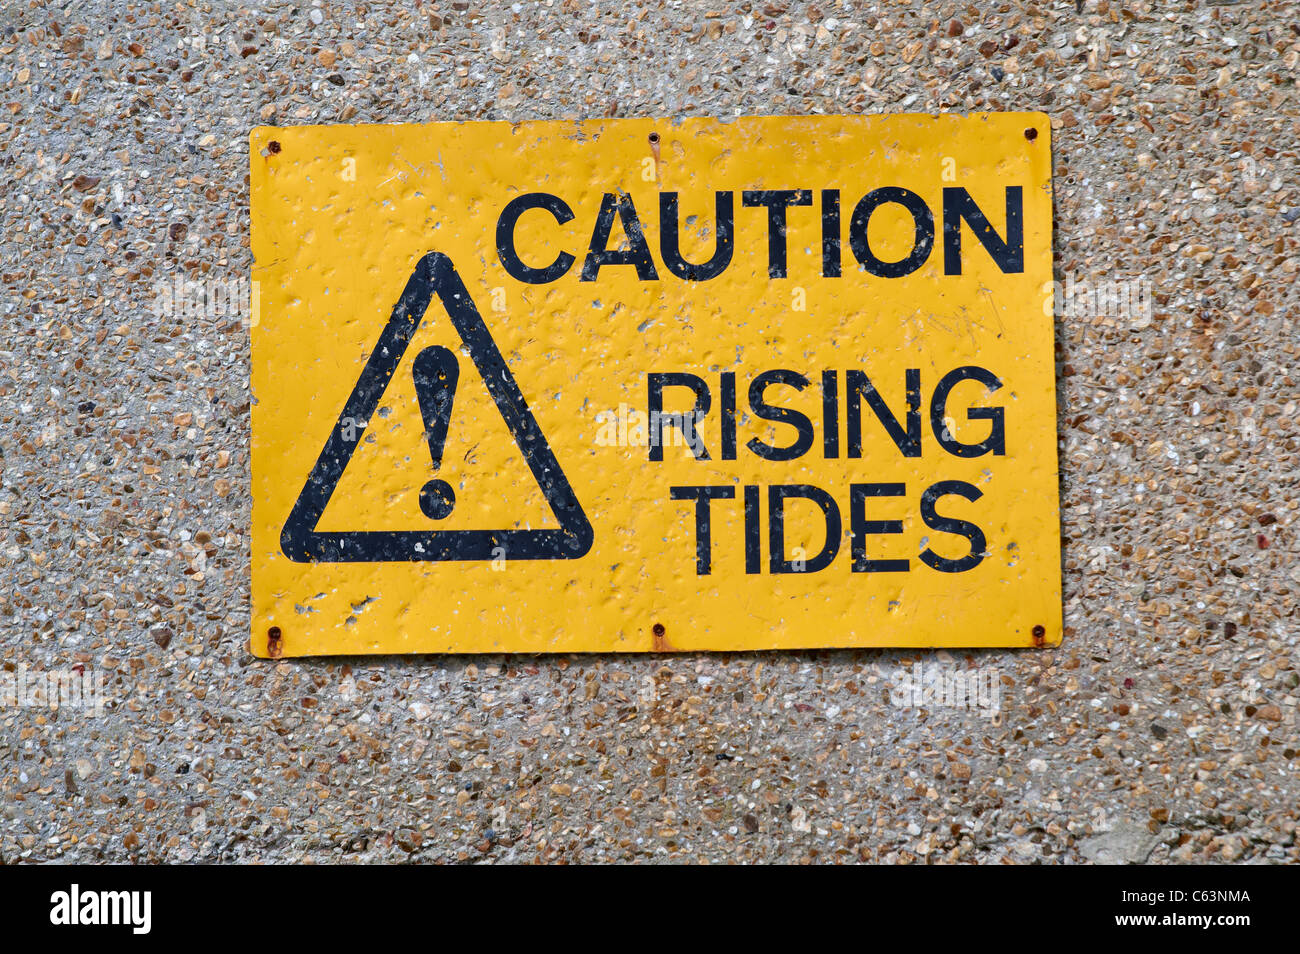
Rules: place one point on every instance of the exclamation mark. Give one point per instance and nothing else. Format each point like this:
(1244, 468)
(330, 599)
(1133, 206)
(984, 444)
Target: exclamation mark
(436, 372)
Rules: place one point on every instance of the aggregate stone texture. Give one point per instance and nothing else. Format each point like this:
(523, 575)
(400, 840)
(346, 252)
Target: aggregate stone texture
(1163, 729)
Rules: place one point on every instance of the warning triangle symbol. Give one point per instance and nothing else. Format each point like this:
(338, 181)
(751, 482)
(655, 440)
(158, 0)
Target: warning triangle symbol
(435, 275)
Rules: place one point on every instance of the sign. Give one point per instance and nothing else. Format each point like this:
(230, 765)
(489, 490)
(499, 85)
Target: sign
(654, 385)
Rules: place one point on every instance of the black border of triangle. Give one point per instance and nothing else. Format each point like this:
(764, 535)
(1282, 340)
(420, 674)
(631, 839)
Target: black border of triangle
(302, 542)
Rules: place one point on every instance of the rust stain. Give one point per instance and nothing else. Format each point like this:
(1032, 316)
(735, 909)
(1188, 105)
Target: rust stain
(274, 642)
(661, 644)
(654, 151)
(1039, 637)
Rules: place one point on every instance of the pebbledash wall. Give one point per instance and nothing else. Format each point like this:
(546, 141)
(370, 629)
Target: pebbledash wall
(1163, 728)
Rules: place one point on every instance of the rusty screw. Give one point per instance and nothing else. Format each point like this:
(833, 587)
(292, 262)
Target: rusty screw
(274, 642)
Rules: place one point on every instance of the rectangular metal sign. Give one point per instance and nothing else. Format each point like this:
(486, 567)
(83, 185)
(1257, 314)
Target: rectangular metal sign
(654, 385)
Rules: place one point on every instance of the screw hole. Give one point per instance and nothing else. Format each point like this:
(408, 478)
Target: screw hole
(654, 138)
(659, 630)
(1031, 133)
(273, 146)
(274, 642)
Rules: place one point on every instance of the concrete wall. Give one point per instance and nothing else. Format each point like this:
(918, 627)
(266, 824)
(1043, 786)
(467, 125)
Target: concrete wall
(1164, 727)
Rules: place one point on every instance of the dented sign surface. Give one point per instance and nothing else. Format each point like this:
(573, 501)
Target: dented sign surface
(642, 385)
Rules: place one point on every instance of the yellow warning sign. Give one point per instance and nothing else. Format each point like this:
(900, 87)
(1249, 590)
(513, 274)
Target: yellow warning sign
(654, 385)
